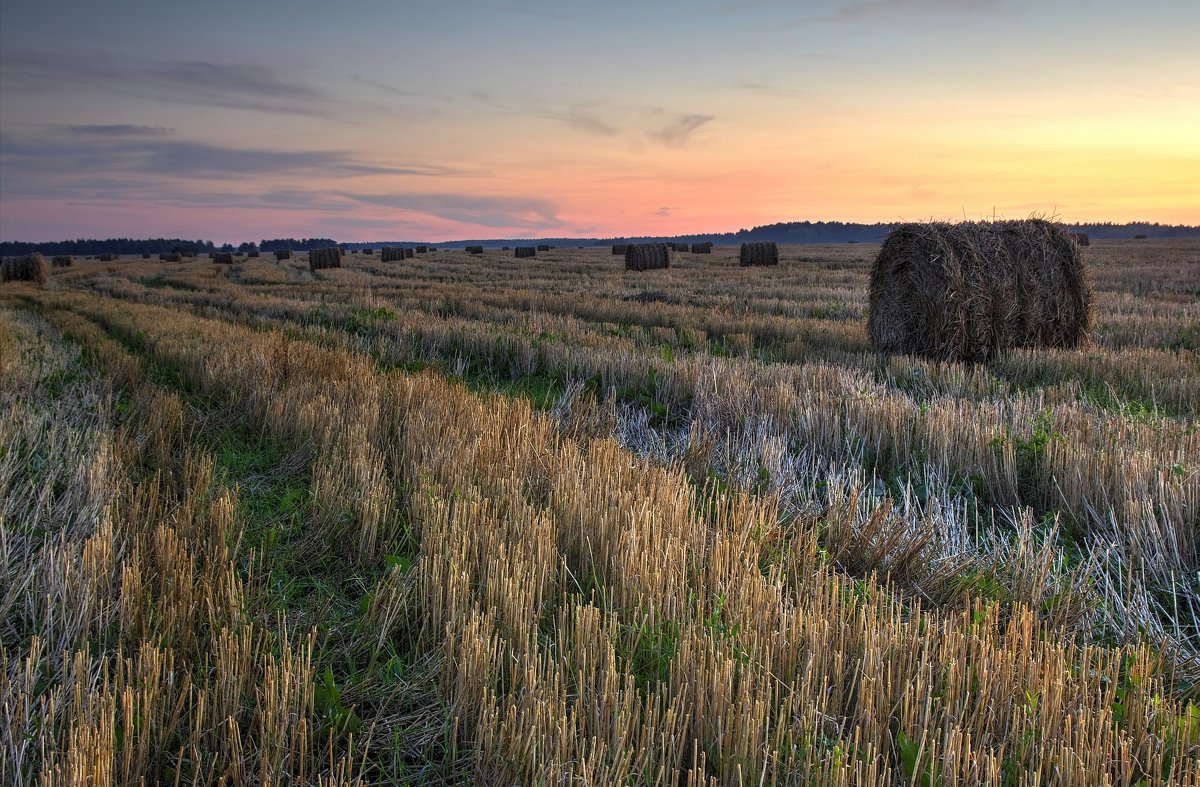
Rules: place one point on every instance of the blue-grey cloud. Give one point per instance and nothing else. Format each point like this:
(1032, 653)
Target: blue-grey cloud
(868, 8)
(586, 121)
(108, 131)
(677, 133)
(231, 85)
(486, 211)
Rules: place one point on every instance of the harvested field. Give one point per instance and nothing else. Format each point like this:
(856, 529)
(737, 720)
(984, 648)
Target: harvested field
(453, 520)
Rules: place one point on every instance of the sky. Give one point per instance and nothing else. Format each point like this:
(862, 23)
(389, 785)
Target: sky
(391, 120)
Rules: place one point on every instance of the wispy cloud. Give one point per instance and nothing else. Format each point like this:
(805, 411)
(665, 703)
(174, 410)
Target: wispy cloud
(230, 85)
(868, 8)
(677, 133)
(480, 210)
(109, 131)
(586, 121)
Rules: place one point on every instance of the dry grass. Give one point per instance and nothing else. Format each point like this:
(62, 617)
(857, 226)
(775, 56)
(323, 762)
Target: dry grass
(730, 548)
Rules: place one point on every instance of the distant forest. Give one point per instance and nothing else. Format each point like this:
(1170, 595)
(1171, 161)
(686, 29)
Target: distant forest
(786, 232)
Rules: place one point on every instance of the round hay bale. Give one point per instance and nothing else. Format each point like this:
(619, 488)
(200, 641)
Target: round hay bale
(422, 249)
(525, 251)
(283, 254)
(474, 249)
(30, 267)
(106, 257)
(319, 259)
(702, 248)
(620, 249)
(1140, 237)
(252, 254)
(970, 291)
(390, 254)
(1082, 239)
(61, 261)
(173, 256)
(647, 256)
(222, 257)
(543, 247)
(758, 254)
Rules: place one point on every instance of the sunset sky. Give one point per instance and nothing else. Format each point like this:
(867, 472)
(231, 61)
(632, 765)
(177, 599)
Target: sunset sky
(375, 120)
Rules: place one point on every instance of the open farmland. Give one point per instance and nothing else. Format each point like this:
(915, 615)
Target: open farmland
(465, 518)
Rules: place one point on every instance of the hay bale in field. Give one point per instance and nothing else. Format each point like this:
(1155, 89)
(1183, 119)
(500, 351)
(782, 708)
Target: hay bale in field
(759, 254)
(107, 257)
(188, 255)
(702, 248)
(252, 254)
(391, 254)
(283, 254)
(543, 247)
(1140, 237)
(31, 267)
(620, 249)
(525, 251)
(145, 256)
(647, 256)
(61, 261)
(1082, 239)
(504, 248)
(970, 291)
(370, 252)
(222, 257)
(474, 249)
(422, 249)
(319, 259)
(172, 256)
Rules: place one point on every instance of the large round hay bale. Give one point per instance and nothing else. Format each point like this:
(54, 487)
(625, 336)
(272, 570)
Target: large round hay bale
(30, 267)
(391, 254)
(647, 256)
(1140, 236)
(422, 249)
(543, 247)
(620, 249)
(223, 257)
(283, 254)
(319, 259)
(525, 251)
(1082, 239)
(474, 250)
(107, 257)
(172, 256)
(61, 261)
(970, 291)
(702, 248)
(759, 254)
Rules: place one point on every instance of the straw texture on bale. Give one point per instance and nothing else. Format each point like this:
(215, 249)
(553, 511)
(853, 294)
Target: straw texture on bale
(283, 254)
(1082, 239)
(647, 256)
(702, 248)
(62, 261)
(391, 254)
(223, 257)
(31, 267)
(759, 254)
(474, 250)
(970, 291)
(172, 256)
(525, 251)
(319, 259)
(620, 248)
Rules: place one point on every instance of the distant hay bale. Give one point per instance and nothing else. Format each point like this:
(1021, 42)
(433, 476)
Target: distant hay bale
(422, 249)
(702, 248)
(107, 257)
(474, 250)
(973, 290)
(758, 254)
(252, 254)
(319, 259)
(145, 256)
(408, 253)
(647, 256)
(504, 248)
(223, 257)
(1139, 237)
(1082, 239)
(238, 254)
(620, 249)
(31, 267)
(283, 254)
(172, 256)
(543, 247)
(525, 251)
(391, 254)
(370, 252)
(62, 261)
(189, 255)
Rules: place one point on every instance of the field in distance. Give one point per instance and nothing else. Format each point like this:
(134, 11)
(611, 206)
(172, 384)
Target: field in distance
(468, 518)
